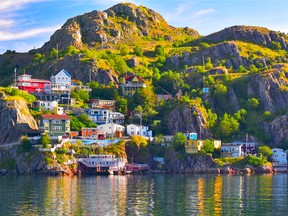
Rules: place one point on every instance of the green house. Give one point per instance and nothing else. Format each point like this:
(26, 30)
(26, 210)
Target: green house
(54, 125)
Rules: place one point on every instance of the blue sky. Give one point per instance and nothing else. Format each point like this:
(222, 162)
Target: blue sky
(28, 24)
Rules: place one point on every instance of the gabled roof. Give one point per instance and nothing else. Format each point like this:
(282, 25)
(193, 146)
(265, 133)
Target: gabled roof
(63, 72)
(131, 77)
(53, 116)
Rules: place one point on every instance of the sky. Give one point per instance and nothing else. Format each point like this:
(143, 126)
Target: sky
(28, 24)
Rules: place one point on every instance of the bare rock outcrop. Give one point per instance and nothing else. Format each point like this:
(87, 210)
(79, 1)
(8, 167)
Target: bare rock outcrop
(278, 129)
(190, 164)
(23, 162)
(15, 119)
(269, 88)
(226, 50)
(183, 119)
(252, 34)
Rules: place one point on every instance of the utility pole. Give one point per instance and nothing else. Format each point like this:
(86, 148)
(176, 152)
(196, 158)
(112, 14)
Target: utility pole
(57, 51)
(15, 70)
(203, 60)
(200, 127)
(140, 122)
(90, 75)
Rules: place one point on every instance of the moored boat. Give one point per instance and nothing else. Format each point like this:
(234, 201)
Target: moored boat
(102, 164)
(136, 167)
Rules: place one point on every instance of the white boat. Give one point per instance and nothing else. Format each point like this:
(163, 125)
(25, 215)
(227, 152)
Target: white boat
(103, 163)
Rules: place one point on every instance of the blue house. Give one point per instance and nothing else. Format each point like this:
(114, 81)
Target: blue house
(104, 116)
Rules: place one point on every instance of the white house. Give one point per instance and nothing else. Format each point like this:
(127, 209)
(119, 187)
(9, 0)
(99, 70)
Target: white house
(50, 106)
(231, 150)
(133, 129)
(112, 129)
(279, 159)
(246, 147)
(60, 83)
(103, 116)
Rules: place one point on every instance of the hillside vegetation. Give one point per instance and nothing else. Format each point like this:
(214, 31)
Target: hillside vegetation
(244, 67)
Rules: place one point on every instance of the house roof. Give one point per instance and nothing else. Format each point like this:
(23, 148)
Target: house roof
(131, 77)
(65, 72)
(40, 80)
(53, 116)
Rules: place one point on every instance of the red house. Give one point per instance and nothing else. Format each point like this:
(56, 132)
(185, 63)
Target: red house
(26, 83)
(92, 133)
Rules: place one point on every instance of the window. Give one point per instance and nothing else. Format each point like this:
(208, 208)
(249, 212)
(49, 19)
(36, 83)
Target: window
(57, 128)
(46, 128)
(56, 121)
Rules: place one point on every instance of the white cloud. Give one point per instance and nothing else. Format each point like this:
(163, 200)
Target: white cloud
(8, 5)
(8, 36)
(5, 23)
(204, 12)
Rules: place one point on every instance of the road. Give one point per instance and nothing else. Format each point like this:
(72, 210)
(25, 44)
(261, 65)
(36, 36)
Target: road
(9, 145)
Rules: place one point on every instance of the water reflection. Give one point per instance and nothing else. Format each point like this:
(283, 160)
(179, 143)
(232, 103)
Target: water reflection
(144, 195)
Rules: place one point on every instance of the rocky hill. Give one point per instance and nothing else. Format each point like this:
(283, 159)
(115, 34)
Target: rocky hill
(244, 67)
(256, 35)
(15, 119)
(122, 22)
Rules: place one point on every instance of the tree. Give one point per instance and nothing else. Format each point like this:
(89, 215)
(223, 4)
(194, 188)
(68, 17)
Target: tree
(139, 141)
(203, 45)
(75, 124)
(121, 104)
(252, 103)
(25, 145)
(211, 118)
(81, 95)
(45, 140)
(253, 68)
(265, 151)
(171, 81)
(242, 69)
(53, 53)
(220, 89)
(228, 125)
(84, 119)
(138, 50)
(123, 50)
(208, 65)
(159, 50)
(208, 146)
(275, 45)
(179, 140)
(209, 80)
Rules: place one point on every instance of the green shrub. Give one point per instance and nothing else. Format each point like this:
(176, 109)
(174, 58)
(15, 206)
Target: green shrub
(25, 145)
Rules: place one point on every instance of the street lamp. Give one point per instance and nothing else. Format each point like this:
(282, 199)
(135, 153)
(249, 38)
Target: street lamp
(15, 70)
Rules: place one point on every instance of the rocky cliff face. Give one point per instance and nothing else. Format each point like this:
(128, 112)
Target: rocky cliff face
(278, 129)
(190, 164)
(183, 119)
(15, 119)
(78, 69)
(256, 35)
(270, 88)
(228, 51)
(23, 163)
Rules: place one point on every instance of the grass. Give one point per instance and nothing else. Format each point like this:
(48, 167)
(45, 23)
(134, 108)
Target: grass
(248, 49)
(223, 161)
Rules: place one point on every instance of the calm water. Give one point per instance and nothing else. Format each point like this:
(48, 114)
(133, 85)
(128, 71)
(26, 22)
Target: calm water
(144, 195)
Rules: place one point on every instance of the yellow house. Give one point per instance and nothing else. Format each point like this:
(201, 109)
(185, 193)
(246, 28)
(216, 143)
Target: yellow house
(131, 84)
(193, 146)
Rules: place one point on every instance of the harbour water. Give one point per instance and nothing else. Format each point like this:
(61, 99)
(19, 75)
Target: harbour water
(145, 195)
